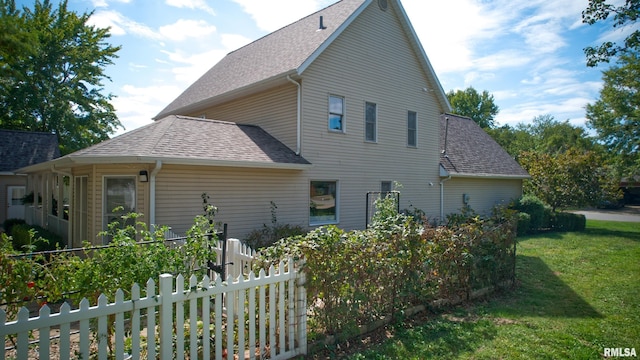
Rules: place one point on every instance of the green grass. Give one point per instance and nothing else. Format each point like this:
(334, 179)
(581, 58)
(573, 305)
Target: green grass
(577, 293)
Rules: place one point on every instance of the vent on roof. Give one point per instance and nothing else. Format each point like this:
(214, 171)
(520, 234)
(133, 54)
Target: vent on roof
(322, 27)
(383, 5)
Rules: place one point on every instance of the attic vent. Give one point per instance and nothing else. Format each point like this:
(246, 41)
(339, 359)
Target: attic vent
(383, 5)
(322, 27)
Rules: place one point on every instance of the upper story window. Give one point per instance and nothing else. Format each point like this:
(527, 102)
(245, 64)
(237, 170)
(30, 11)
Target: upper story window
(412, 129)
(336, 113)
(371, 122)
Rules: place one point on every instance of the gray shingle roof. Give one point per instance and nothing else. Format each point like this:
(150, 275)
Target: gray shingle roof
(470, 151)
(193, 140)
(278, 53)
(23, 148)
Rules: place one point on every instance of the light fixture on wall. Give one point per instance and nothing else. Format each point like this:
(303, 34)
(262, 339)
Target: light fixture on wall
(144, 176)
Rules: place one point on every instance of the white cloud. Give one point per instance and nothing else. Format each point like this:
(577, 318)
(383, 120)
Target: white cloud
(185, 28)
(121, 25)
(234, 41)
(194, 65)
(191, 4)
(105, 3)
(137, 105)
(270, 15)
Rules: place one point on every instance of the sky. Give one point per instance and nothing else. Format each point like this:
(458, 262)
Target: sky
(527, 53)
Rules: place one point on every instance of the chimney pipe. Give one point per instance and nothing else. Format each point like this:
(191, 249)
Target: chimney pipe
(322, 27)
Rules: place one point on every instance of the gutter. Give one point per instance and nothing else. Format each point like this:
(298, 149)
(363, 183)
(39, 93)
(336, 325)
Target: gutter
(442, 197)
(298, 115)
(152, 194)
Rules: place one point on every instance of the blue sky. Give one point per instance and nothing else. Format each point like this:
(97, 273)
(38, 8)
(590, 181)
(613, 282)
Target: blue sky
(527, 53)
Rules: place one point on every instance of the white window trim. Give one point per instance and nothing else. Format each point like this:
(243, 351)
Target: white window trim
(332, 222)
(344, 114)
(416, 129)
(375, 140)
(104, 196)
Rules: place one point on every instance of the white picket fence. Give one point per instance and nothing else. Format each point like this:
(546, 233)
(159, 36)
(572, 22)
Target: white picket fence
(253, 317)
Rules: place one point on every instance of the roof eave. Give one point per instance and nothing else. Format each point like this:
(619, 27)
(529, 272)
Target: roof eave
(70, 162)
(486, 176)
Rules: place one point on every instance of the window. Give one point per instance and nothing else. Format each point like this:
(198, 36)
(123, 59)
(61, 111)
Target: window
(412, 129)
(386, 187)
(119, 199)
(370, 121)
(336, 113)
(323, 202)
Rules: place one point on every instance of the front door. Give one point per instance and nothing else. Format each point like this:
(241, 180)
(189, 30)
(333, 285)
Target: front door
(15, 207)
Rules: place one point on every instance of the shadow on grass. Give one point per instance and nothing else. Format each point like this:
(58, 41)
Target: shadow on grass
(540, 292)
(629, 235)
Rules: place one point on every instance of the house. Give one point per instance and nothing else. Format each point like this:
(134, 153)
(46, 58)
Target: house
(312, 117)
(475, 170)
(17, 150)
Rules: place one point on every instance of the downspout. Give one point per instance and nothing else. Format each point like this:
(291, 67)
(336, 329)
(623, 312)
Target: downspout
(152, 194)
(442, 197)
(298, 115)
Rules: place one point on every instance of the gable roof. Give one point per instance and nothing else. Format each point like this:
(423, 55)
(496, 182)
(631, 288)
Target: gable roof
(23, 148)
(288, 51)
(189, 141)
(468, 151)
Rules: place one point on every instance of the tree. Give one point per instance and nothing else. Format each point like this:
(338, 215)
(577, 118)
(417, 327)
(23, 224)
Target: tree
(615, 116)
(52, 67)
(479, 107)
(544, 134)
(570, 179)
(623, 15)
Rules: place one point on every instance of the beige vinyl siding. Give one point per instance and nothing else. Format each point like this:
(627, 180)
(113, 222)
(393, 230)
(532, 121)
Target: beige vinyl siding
(274, 110)
(483, 194)
(382, 69)
(95, 193)
(242, 196)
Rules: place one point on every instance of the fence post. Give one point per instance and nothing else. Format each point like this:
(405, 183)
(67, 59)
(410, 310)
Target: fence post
(166, 317)
(302, 306)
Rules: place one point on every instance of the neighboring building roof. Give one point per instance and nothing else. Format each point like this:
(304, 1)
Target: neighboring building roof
(468, 151)
(190, 141)
(23, 148)
(286, 52)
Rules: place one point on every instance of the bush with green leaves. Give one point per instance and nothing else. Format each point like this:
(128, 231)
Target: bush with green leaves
(537, 210)
(360, 276)
(268, 235)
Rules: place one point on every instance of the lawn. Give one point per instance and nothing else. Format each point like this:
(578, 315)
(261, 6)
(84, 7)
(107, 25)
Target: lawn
(577, 294)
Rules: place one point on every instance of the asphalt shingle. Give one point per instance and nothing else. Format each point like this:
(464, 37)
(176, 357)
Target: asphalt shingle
(183, 137)
(471, 151)
(277, 53)
(23, 148)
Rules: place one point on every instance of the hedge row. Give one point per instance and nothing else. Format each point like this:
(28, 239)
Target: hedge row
(535, 216)
(358, 277)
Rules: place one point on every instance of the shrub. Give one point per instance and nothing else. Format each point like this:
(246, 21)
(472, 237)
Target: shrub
(9, 223)
(536, 209)
(361, 276)
(28, 238)
(268, 235)
(524, 223)
(564, 221)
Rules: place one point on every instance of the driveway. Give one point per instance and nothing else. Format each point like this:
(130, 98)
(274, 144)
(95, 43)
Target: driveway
(629, 213)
